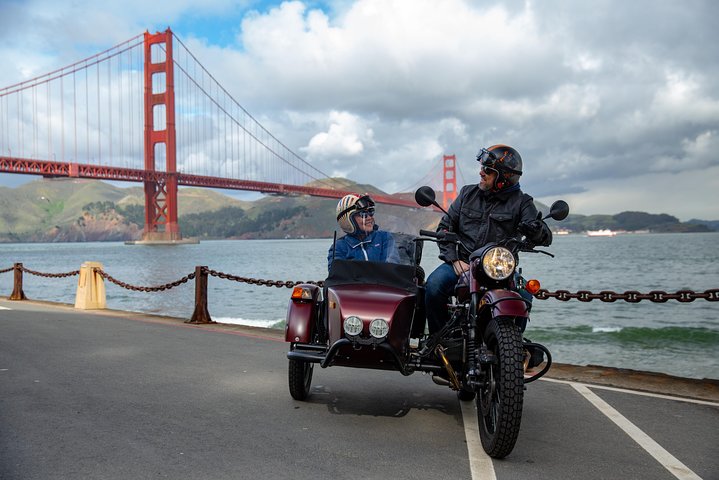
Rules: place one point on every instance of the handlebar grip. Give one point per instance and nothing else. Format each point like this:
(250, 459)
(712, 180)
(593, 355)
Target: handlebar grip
(428, 233)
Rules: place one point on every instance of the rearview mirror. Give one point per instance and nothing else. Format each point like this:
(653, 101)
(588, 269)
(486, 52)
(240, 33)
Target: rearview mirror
(559, 210)
(425, 196)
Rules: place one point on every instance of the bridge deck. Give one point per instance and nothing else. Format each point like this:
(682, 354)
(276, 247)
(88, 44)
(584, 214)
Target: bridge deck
(123, 395)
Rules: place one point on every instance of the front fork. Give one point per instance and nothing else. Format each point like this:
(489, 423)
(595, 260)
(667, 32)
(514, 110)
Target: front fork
(476, 357)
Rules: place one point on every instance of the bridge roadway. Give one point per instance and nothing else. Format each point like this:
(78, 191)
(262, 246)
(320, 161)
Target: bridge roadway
(116, 395)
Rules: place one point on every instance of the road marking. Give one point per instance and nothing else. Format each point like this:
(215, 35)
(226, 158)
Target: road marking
(666, 459)
(636, 392)
(480, 464)
(4, 308)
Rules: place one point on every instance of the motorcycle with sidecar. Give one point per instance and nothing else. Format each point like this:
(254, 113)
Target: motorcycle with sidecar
(372, 315)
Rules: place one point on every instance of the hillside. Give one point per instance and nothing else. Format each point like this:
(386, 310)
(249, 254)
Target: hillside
(56, 210)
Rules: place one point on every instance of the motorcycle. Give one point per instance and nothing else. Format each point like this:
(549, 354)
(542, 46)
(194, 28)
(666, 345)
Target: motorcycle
(371, 315)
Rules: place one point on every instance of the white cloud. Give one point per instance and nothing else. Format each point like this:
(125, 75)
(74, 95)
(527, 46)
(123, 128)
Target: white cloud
(346, 136)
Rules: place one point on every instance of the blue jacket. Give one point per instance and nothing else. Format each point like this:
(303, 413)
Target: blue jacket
(378, 246)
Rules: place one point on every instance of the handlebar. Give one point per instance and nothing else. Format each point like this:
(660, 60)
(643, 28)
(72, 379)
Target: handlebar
(522, 245)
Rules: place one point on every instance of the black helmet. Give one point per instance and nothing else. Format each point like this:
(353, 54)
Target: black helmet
(506, 161)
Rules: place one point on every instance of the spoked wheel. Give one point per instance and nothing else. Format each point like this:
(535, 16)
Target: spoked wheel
(300, 378)
(500, 398)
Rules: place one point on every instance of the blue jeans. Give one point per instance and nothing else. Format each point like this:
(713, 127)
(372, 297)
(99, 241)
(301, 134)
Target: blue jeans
(438, 288)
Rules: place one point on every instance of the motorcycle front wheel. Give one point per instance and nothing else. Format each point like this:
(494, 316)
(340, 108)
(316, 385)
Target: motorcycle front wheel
(300, 378)
(500, 397)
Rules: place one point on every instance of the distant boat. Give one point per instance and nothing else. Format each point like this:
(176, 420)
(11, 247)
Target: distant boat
(601, 233)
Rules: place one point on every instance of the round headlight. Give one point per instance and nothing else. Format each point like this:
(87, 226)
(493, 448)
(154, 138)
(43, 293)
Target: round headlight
(378, 328)
(498, 263)
(353, 326)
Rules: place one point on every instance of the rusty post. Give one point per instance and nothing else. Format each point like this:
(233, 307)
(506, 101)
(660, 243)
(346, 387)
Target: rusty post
(17, 293)
(201, 314)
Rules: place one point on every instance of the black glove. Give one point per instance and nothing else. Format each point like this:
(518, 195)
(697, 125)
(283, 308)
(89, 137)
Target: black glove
(530, 229)
(535, 230)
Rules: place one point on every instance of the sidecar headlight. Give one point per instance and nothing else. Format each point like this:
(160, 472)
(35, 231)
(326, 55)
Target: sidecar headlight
(498, 263)
(353, 326)
(378, 328)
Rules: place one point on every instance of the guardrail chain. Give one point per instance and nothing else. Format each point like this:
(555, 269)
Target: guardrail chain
(202, 315)
(259, 281)
(631, 296)
(157, 288)
(50, 275)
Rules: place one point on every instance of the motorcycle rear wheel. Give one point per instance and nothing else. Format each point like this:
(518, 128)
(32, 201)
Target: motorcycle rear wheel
(300, 378)
(500, 398)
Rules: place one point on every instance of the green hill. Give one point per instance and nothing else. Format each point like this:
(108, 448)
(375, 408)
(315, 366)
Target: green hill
(50, 210)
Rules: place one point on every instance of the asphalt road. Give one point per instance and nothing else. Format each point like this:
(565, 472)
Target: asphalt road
(129, 396)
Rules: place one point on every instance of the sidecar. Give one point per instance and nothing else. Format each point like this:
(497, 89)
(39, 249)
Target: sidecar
(364, 316)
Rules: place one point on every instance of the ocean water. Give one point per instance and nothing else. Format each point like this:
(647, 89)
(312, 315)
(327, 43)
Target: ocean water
(676, 338)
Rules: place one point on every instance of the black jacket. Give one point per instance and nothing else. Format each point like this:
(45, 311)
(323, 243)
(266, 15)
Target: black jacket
(481, 217)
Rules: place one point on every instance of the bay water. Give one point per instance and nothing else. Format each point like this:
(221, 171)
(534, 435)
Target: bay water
(675, 338)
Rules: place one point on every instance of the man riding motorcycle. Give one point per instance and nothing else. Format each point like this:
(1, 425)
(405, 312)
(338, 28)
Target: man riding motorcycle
(493, 210)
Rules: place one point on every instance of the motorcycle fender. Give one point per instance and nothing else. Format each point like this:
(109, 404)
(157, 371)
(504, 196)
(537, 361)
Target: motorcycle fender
(300, 317)
(505, 303)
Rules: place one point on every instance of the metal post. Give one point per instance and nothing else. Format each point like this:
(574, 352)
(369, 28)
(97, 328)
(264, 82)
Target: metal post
(17, 293)
(201, 314)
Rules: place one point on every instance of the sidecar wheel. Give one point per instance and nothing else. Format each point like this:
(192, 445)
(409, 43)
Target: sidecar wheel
(501, 396)
(300, 378)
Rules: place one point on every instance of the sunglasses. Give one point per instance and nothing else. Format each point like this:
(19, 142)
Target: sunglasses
(366, 213)
(488, 170)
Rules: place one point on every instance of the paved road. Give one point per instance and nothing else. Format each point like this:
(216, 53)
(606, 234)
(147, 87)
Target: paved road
(126, 396)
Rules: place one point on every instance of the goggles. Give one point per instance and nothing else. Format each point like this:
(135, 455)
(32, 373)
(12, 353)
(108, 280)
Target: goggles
(487, 158)
(489, 161)
(363, 204)
(366, 213)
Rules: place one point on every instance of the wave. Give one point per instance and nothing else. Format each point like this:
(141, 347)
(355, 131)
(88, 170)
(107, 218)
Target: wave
(663, 337)
(276, 324)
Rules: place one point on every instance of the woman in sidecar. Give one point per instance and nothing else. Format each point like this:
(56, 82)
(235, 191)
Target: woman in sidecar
(363, 316)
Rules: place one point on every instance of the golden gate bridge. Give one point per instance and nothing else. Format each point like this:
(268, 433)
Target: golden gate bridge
(146, 110)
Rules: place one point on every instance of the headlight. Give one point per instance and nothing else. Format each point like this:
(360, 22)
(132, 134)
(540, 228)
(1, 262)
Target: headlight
(378, 328)
(353, 326)
(498, 263)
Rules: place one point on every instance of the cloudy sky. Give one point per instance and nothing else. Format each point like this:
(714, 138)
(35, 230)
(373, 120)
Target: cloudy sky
(614, 105)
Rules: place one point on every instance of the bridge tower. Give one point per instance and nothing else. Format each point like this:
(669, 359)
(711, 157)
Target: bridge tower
(160, 140)
(449, 180)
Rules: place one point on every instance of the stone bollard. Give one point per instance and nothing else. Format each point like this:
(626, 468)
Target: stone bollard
(17, 293)
(90, 288)
(201, 314)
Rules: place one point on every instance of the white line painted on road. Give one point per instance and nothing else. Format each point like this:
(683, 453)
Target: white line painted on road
(666, 459)
(636, 392)
(4, 308)
(480, 464)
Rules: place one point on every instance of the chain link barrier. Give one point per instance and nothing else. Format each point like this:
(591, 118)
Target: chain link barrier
(50, 275)
(157, 288)
(259, 281)
(630, 296)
